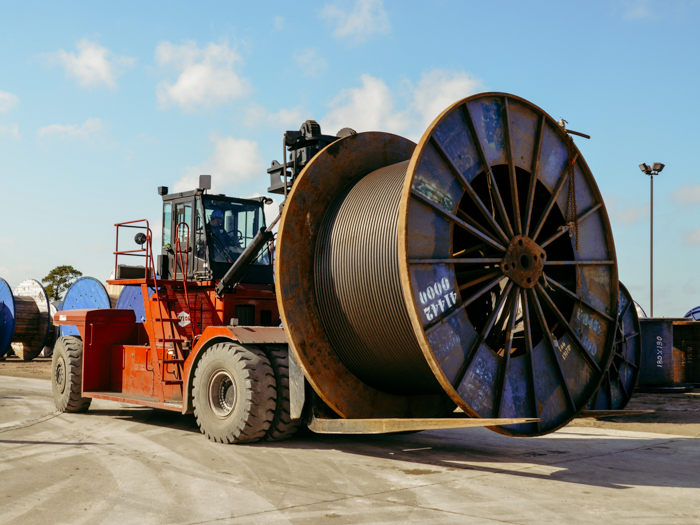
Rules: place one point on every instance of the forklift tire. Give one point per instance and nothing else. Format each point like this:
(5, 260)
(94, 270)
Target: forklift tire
(234, 394)
(67, 375)
(283, 426)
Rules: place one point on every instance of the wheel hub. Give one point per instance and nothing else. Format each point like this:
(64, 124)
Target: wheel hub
(222, 394)
(60, 374)
(524, 261)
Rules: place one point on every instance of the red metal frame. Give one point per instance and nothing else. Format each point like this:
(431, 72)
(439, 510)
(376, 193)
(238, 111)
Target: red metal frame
(129, 362)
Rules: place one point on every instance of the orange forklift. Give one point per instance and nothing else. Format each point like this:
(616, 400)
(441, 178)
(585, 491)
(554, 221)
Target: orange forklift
(209, 339)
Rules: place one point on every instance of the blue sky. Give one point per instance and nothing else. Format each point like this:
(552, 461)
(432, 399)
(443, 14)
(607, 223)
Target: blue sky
(102, 103)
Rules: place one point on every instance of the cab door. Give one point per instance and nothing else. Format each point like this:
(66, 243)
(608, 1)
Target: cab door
(183, 229)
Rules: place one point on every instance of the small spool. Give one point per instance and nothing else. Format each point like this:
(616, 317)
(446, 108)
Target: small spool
(7, 317)
(86, 293)
(32, 322)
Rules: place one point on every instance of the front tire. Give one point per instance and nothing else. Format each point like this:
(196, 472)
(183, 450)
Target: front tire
(234, 394)
(67, 375)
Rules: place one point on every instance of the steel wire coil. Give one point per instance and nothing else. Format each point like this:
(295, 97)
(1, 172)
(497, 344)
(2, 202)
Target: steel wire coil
(358, 286)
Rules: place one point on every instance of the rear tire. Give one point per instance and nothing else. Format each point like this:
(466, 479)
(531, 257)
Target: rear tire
(233, 393)
(283, 426)
(67, 375)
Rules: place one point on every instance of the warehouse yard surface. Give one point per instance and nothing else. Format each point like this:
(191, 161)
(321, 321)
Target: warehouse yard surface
(122, 464)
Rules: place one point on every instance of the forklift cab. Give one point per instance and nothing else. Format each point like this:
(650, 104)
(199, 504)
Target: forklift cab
(213, 230)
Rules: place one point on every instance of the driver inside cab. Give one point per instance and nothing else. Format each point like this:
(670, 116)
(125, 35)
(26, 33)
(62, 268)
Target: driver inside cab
(216, 222)
(226, 244)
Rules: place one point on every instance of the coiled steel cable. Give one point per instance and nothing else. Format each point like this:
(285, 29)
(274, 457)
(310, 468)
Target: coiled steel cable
(358, 286)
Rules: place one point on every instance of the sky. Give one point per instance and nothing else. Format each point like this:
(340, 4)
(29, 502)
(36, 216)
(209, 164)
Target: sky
(101, 103)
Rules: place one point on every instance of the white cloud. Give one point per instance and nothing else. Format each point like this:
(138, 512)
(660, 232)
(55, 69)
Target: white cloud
(233, 161)
(257, 115)
(440, 88)
(372, 107)
(636, 9)
(620, 210)
(278, 23)
(8, 101)
(89, 128)
(206, 76)
(93, 65)
(364, 19)
(366, 108)
(11, 130)
(310, 63)
(693, 238)
(688, 194)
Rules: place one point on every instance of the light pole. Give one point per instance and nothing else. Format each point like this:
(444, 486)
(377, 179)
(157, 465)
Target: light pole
(655, 169)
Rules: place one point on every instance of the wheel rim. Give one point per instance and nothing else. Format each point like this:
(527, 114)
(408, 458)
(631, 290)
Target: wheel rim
(506, 334)
(60, 375)
(222, 394)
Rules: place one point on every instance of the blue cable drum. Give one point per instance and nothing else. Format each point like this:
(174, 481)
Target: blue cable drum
(87, 293)
(7, 316)
(131, 298)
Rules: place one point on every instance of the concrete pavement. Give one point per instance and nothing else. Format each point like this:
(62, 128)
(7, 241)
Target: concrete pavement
(120, 464)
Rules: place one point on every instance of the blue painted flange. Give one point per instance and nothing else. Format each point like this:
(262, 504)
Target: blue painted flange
(131, 298)
(7, 316)
(87, 293)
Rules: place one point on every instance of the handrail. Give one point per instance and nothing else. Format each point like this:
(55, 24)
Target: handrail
(146, 252)
(184, 268)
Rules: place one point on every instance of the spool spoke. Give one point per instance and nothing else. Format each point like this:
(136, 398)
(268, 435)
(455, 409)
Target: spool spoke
(610, 395)
(482, 336)
(459, 222)
(484, 289)
(565, 229)
(546, 333)
(458, 260)
(479, 246)
(533, 177)
(572, 333)
(487, 168)
(528, 349)
(622, 386)
(476, 280)
(471, 222)
(555, 195)
(469, 188)
(517, 222)
(576, 296)
(578, 263)
(504, 312)
(506, 351)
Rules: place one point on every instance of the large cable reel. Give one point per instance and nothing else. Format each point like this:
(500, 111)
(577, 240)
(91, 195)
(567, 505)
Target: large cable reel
(416, 277)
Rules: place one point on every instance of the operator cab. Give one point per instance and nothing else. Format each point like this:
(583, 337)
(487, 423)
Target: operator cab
(212, 230)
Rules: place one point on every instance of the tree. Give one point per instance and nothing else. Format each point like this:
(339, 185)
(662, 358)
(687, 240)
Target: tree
(59, 280)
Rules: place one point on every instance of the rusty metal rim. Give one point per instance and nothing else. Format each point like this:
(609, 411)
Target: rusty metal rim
(312, 194)
(406, 280)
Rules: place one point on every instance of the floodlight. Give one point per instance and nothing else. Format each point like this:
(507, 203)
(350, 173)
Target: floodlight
(658, 167)
(646, 169)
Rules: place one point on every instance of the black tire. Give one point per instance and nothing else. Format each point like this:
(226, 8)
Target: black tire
(67, 374)
(283, 426)
(233, 393)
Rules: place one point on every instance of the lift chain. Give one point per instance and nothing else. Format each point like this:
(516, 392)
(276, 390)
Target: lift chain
(571, 208)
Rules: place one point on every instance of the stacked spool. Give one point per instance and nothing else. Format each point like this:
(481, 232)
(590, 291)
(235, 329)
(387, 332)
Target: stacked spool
(26, 325)
(667, 354)
(26, 315)
(621, 377)
(86, 293)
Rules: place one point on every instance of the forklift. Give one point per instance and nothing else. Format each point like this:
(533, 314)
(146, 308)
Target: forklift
(209, 341)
